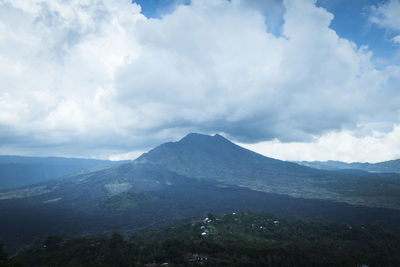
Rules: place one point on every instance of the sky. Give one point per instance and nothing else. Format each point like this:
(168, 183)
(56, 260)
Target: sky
(291, 79)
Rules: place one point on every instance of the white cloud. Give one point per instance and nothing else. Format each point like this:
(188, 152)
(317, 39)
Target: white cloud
(126, 156)
(343, 146)
(97, 78)
(386, 15)
(396, 39)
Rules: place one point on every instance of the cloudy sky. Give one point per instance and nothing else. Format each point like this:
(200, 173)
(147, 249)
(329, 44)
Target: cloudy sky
(291, 79)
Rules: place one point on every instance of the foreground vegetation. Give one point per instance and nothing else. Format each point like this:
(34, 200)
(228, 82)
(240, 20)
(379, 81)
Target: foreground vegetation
(244, 239)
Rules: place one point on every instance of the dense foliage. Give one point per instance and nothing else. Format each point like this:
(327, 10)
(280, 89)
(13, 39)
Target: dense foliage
(5, 261)
(244, 239)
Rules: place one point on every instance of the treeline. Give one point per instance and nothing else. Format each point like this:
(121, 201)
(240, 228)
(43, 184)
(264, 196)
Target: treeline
(244, 239)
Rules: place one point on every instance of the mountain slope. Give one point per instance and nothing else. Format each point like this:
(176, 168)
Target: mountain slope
(135, 195)
(17, 171)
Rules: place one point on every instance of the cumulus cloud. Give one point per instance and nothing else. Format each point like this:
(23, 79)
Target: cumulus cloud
(97, 78)
(345, 146)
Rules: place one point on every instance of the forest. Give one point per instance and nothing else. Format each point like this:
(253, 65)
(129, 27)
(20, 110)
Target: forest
(235, 239)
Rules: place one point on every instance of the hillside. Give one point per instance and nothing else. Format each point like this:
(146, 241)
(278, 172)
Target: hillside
(238, 239)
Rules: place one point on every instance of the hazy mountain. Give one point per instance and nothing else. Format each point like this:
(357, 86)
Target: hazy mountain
(385, 166)
(17, 171)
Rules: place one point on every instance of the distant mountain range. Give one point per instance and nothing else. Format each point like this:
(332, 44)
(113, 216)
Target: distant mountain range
(191, 177)
(385, 166)
(17, 171)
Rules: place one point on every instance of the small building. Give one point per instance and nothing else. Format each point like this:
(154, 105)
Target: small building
(196, 258)
(201, 258)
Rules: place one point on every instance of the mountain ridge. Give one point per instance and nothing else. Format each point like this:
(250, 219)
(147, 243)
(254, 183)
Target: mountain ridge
(384, 166)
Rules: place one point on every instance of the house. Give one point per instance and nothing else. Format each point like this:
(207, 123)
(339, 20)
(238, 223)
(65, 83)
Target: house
(201, 258)
(207, 220)
(196, 258)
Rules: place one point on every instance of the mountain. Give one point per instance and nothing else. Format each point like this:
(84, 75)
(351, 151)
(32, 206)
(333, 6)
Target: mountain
(191, 177)
(385, 166)
(216, 158)
(17, 171)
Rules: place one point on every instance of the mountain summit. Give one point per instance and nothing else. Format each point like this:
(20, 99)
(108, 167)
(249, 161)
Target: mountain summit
(217, 158)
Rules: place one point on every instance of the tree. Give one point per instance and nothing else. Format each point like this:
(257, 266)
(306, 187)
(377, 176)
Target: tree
(4, 261)
(116, 240)
(211, 217)
(53, 242)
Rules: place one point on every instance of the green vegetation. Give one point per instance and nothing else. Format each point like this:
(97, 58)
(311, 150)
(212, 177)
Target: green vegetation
(125, 201)
(3, 256)
(5, 261)
(244, 239)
